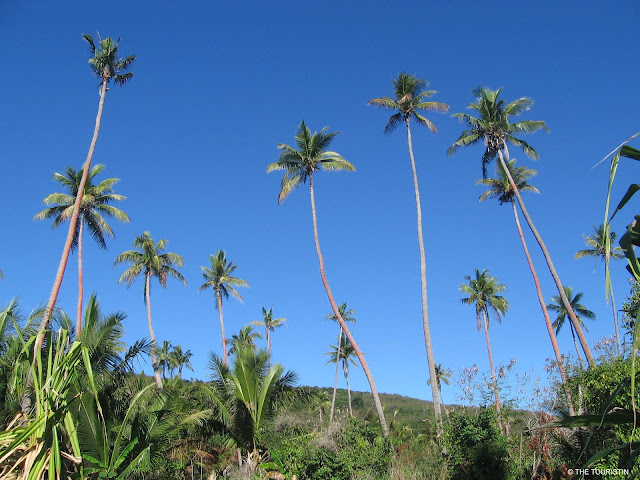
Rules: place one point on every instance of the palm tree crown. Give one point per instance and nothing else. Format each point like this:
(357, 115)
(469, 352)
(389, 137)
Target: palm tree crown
(105, 62)
(309, 156)
(94, 207)
(410, 97)
(493, 125)
(151, 260)
(581, 311)
(245, 339)
(219, 276)
(500, 188)
(483, 292)
(597, 245)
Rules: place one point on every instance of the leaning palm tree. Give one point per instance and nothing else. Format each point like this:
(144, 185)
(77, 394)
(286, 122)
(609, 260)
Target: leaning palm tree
(600, 247)
(270, 324)
(411, 96)
(493, 127)
(107, 65)
(300, 163)
(219, 278)
(343, 352)
(500, 189)
(483, 292)
(347, 316)
(94, 207)
(150, 261)
(557, 306)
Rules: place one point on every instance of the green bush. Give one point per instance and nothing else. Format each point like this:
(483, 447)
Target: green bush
(476, 449)
(355, 450)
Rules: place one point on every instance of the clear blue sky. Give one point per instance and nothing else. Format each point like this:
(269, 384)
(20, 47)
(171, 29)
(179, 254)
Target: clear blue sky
(219, 84)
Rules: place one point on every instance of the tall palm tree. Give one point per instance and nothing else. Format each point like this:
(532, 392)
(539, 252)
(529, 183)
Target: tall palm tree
(270, 324)
(181, 359)
(94, 207)
(245, 339)
(483, 292)
(557, 306)
(493, 127)
(343, 352)
(108, 66)
(443, 375)
(150, 261)
(299, 164)
(411, 96)
(598, 245)
(500, 189)
(219, 278)
(347, 316)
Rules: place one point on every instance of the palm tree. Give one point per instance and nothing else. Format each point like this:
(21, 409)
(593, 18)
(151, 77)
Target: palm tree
(270, 324)
(598, 245)
(245, 339)
(443, 375)
(248, 395)
(493, 127)
(151, 261)
(411, 96)
(343, 352)
(219, 277)
(164, 358)
(500, 189)
(483, 292)
(347, 316)
(94, 207)
(107, 65)
(181, 359)
(299, 165)
(557, 306)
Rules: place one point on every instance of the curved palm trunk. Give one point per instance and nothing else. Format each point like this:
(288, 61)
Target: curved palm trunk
(180, 373)
(575, 343)
(152, 335)
(615, 319)
(334, 307)
(73, 221)
(80, 286)
(493, 374)
(547, 320)
(224, 340)
(346, 376)
(547, 256)
(423, 284)
(335, 380)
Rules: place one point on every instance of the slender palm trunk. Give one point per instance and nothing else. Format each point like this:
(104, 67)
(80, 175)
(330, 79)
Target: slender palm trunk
(547, 256)
(493, 373)
(80, 286)
(423, 284)
(335, 380)
(180, 373)
(268, 349)
(575, 343)
(334, 307)
(224, 340)
(615, 319)
(73, 221)
(152, 335)
(346, 376)
(545, 312)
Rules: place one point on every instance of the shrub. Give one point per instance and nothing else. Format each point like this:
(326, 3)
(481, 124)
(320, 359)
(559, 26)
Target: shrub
(476, 449)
